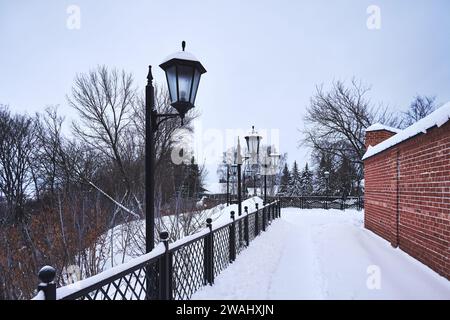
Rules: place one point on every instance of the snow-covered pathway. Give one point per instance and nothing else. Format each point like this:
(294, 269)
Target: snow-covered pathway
(324, 254)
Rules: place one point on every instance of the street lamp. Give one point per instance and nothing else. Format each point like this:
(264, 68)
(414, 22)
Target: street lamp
(183, 72)
(327, 180)
(253, 141)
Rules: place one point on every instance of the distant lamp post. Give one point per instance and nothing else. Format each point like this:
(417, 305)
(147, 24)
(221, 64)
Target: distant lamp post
(266, 163)
(246, 157)
(253, 140)
(270, 164)
(238, 160)
(183, 72)
(327, 181)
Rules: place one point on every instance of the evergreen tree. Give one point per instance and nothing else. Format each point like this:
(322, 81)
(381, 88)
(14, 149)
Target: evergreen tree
(295, 188)
(307, 181)
(285, 181)
(344, 178)
(320, 183)
(188, 179)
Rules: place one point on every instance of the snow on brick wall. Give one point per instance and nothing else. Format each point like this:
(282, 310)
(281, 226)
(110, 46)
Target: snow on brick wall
(423, 197)
(375, 137)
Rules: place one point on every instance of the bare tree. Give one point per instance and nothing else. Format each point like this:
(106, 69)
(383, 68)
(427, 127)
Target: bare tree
(336, 120)
(17, 143)
(419, 108)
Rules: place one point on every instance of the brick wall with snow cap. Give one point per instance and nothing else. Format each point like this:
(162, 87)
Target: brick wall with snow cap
(407, 189)
(377, 133)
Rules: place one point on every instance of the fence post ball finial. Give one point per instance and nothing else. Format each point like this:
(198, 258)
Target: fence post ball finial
(232, 215)
(47, 274)
(209, 223)
(164, 235)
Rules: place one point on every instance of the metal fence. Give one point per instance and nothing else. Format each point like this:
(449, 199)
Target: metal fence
(323, 202)
(171, 271)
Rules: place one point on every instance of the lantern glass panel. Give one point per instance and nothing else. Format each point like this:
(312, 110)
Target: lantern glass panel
(195, 85)
(171, 74)
(184, 82)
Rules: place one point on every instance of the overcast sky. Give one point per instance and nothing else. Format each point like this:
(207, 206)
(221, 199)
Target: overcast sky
(263, 58)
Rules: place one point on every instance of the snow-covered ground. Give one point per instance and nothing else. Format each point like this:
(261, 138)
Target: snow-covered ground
(324, 254)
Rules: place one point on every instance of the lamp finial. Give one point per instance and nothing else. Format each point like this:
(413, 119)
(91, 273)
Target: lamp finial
(149, 75)
(183, 44)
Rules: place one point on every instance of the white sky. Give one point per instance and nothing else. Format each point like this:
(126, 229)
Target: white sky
(263, 58)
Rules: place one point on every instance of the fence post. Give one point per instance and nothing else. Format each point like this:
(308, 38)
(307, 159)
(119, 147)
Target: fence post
(165, 270)
(208, 258)
(48, 286)
(279, 209)
(232, 244)
(274, 208)
(264, 219)
(256, 220)
(246, 235)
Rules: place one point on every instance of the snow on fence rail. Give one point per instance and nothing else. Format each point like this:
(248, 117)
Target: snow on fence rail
(323, 202)
(174, 271)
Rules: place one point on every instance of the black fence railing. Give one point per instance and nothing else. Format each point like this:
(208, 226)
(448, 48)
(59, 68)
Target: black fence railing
(322, 202)
(171, 271)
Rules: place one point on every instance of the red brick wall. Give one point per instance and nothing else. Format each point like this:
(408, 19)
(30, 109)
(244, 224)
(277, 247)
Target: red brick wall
(375, 137)
(423, 197)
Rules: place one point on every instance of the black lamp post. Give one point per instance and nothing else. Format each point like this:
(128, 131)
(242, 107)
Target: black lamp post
(327, 180)
(239, 167)
(266, 171)
(233, 172)
(183, 72)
